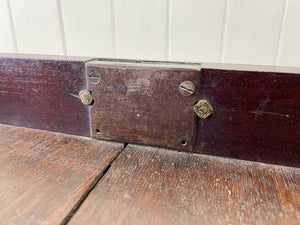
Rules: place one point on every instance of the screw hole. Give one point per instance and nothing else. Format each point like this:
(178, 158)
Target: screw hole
(183, 142)
(97, 131)
(92, 103)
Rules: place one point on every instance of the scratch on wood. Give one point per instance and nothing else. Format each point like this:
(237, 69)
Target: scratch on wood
(258, 113)
(74, 95)
(261, 107)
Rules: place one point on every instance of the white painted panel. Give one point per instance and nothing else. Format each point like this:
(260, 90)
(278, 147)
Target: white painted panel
(196, 30)
(185, 30)
(141, 28)
(289, 54)
(253, 31)
(88, 27)
(37, 26)
(6, 36)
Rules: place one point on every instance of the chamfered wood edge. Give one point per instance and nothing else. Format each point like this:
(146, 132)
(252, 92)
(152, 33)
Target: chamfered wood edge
(204, 65)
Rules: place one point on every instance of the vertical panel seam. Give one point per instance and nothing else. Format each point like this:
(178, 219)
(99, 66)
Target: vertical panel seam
(224, 31)
(12, 27)
(168, 29)
(62, 27)
(87, 84)
(281, 32)
(114, 28)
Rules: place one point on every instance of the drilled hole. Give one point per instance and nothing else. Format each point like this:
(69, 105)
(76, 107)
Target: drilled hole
(94, 77)
(97, 131)
(183, 142)
(92, 103)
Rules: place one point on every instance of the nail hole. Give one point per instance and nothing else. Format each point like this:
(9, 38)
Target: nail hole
(183, 142)
(97, 131)
(94, 77)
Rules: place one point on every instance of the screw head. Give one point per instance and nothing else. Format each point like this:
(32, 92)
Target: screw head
(94, 77)
(86, 97)
(203, 109)
(187, 88)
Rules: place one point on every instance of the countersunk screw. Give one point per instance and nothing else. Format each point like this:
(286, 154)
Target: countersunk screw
(86, 97)
(203, 109)
(94, 77)
(187, 88)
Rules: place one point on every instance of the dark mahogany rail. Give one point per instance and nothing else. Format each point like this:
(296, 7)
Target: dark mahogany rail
(256, 110)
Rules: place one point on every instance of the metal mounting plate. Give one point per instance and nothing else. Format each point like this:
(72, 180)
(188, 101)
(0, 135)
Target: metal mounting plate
(141, 103)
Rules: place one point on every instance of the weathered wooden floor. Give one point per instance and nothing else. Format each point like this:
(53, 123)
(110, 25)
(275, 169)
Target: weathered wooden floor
(43, 175)
(51, 178)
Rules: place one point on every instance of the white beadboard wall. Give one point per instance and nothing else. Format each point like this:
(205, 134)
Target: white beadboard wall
(263, 32)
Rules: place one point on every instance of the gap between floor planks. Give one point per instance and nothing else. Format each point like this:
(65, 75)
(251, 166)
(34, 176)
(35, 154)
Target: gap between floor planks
(147, 185)
(44, 175)
(86, 194)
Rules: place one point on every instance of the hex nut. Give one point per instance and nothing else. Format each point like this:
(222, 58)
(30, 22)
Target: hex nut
(203, 109)
(86, 97)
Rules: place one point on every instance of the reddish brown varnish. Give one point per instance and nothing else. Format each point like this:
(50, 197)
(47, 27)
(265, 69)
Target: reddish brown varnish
(40, 92)
(256, 116)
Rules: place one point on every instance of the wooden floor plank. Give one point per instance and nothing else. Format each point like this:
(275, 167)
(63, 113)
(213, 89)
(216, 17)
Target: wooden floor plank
(43, 175)
(147, 185)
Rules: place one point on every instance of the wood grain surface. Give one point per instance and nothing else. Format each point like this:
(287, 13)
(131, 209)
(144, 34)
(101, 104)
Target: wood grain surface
(44, 175)
(147, 185)
(40, 92)
(141, 103)
(256, 114)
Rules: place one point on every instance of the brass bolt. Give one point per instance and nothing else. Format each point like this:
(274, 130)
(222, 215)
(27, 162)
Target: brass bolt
(203, 109)
(187, 88)
(86, 97)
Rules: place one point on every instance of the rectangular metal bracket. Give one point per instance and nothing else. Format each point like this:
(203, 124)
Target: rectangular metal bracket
(141, 103)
